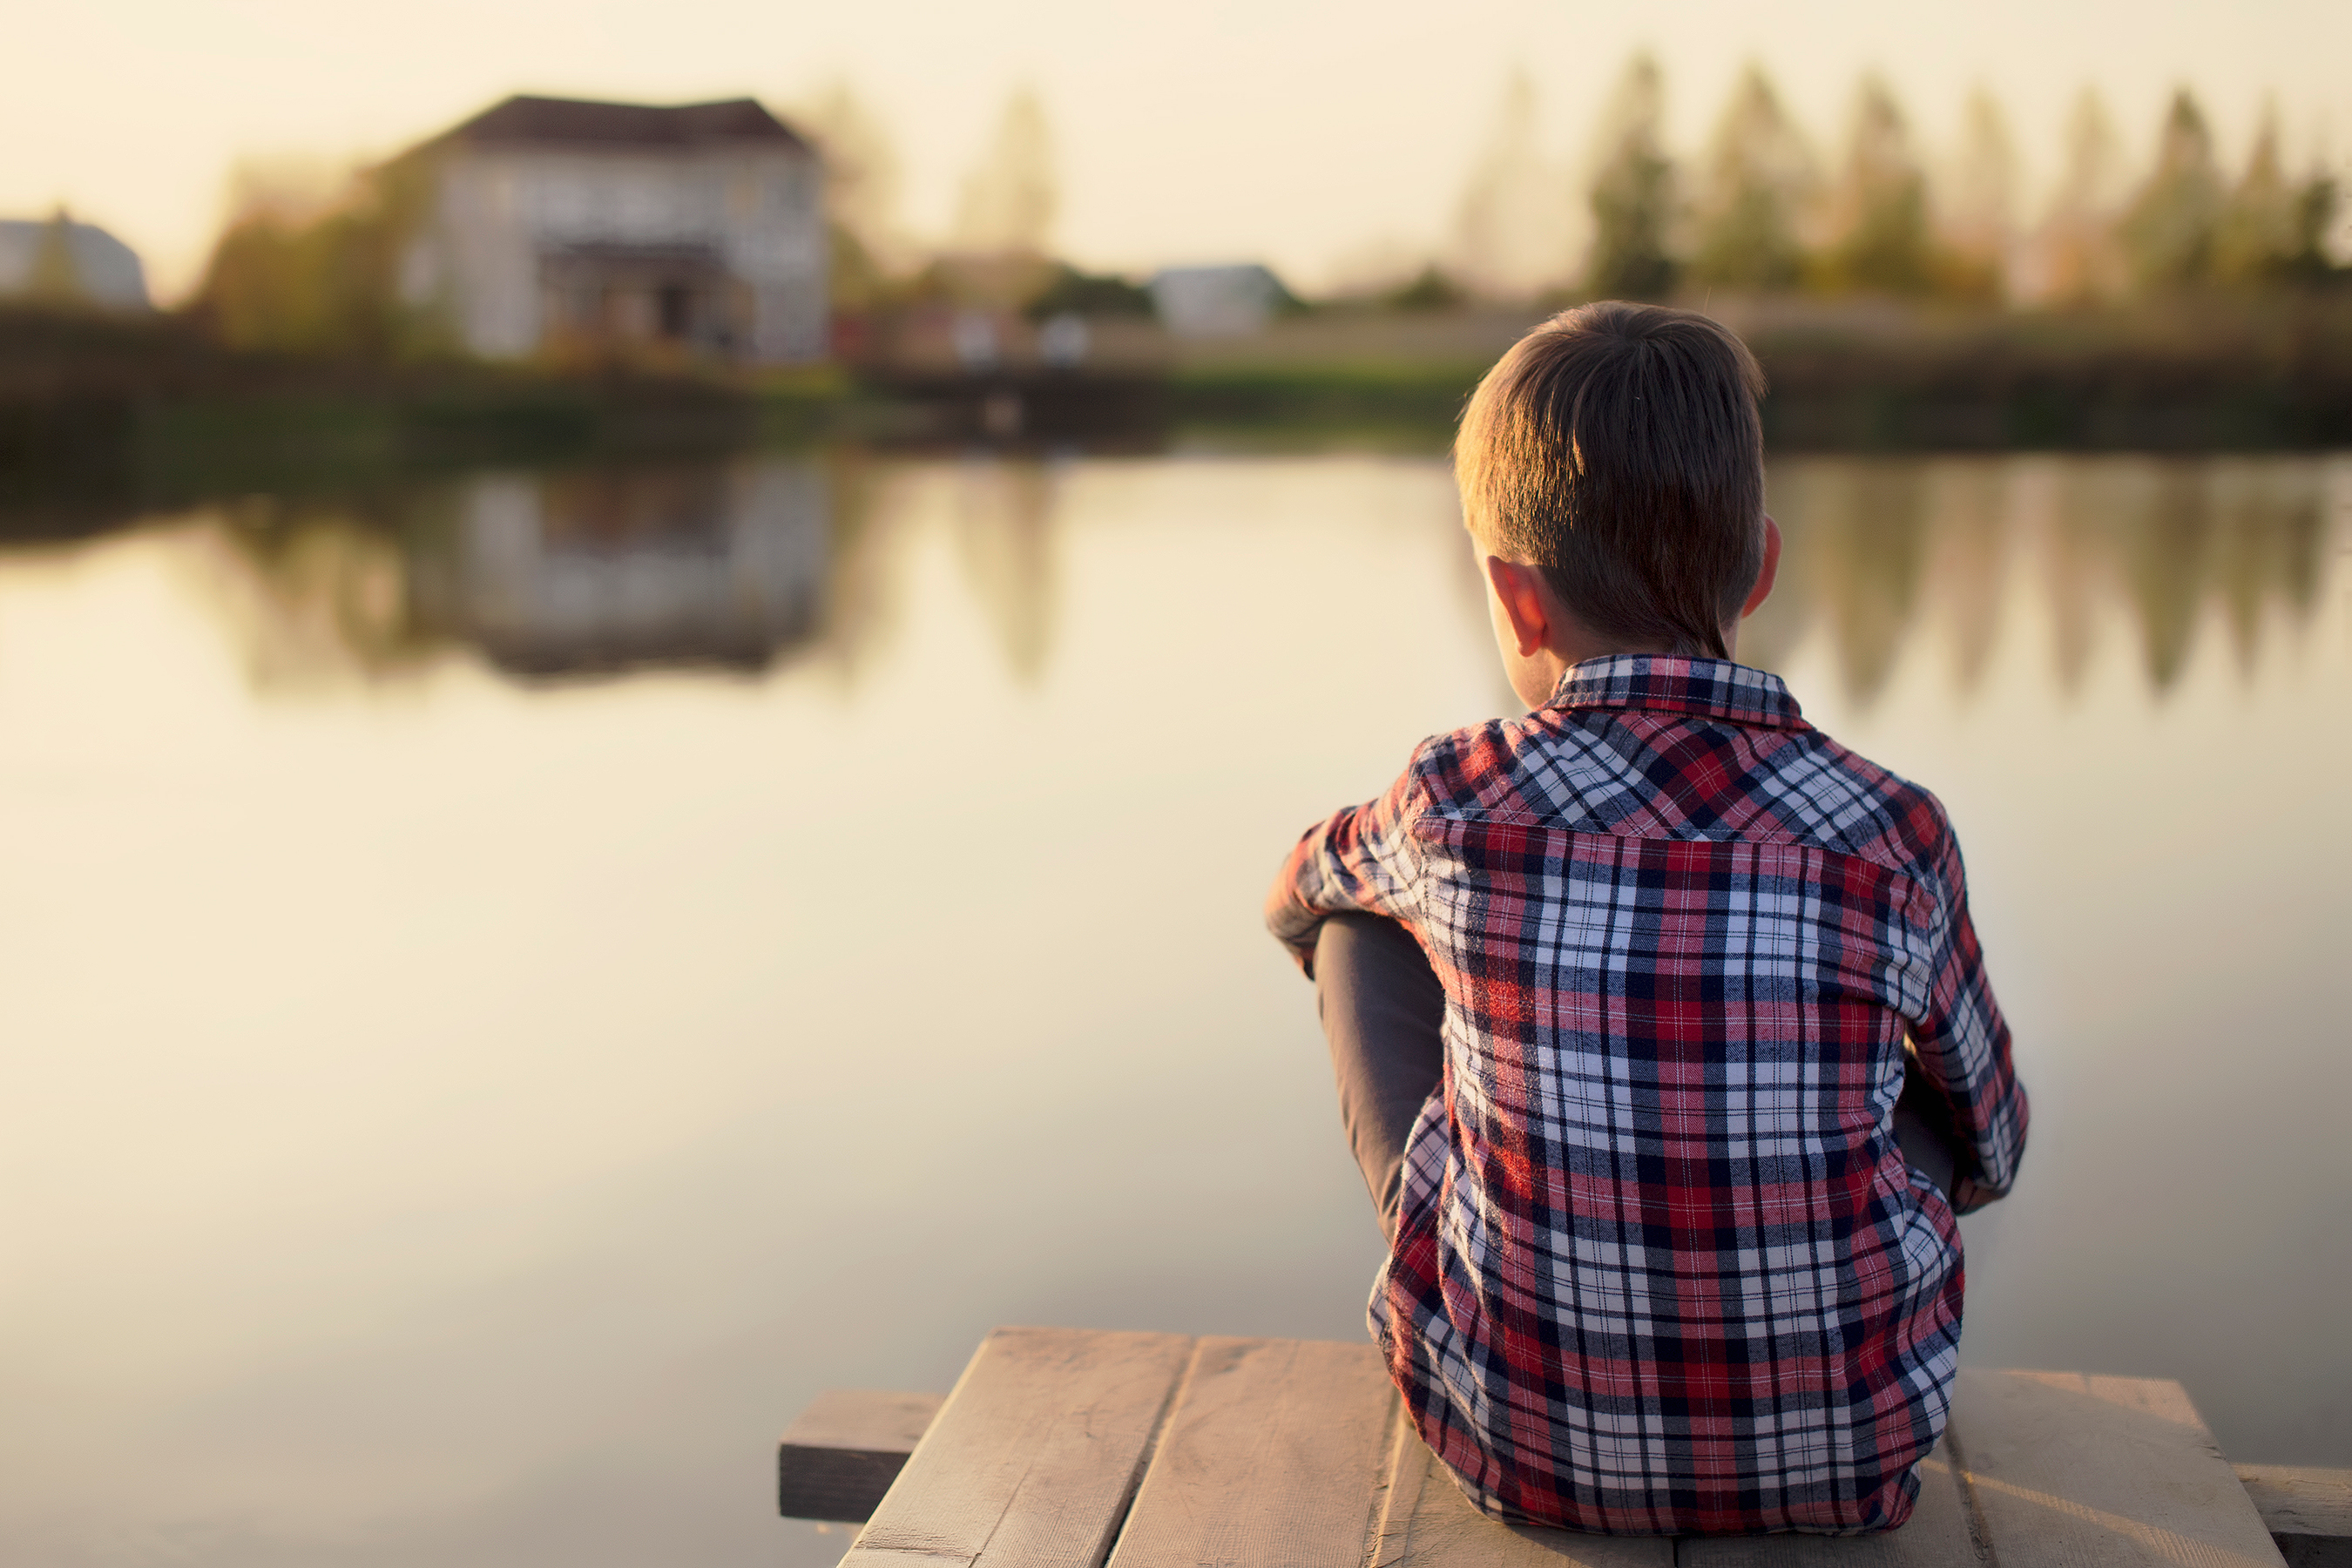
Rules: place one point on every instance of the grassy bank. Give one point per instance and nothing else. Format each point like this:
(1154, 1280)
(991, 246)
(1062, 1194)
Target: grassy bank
(99, 413)
(2205, 375)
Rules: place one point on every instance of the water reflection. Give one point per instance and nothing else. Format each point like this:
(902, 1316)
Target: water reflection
(1878, 547)
(736, 565)
(607, 570)
(1004, 533)
(461, 1128)
(724, 566)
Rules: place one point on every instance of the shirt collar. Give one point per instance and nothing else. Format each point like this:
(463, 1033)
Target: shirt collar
(1716, 688)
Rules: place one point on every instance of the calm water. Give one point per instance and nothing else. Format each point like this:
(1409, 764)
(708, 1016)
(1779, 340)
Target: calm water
(505, 992)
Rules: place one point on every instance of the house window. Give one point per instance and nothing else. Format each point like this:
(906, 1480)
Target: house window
(676, 310)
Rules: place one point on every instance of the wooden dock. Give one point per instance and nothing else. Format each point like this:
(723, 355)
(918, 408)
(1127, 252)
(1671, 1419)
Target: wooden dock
(1075, 1449)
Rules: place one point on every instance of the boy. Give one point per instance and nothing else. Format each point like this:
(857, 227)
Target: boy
(1618, 995)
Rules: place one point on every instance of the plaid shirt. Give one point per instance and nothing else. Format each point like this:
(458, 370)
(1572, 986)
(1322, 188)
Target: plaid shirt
(1660, 1266)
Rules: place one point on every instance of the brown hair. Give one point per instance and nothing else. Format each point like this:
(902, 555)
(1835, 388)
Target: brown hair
(1618, 447)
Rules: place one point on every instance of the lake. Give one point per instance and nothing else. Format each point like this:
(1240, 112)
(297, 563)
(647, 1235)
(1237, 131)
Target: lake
(508, 988)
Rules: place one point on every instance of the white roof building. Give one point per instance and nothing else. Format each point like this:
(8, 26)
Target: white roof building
(1233, 302)
(84, 261)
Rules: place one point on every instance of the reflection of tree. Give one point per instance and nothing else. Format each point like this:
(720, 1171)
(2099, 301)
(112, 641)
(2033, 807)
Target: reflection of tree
(1005, 532)
(1876, 546)
(2074, 566)
(1862, 538)
(1770, 637)
(2164, 561)
(1968, 512)
(2271, 532)
(313, 594)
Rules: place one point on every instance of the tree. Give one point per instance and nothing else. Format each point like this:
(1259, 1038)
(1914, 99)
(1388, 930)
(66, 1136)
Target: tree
(2077, 256)
(1632, 194)
(2255, 233)
(861, 193)
(323, 280)
(1879, 207)
(1009, 198)
(1977, 204)
(2168, 233)
(1760, 177)
(1516, 228)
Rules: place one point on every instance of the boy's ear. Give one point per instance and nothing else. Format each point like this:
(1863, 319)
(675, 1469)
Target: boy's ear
(1518, 590)
(1763, 589)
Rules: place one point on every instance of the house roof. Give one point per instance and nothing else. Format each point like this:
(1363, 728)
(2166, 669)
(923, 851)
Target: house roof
(571, 121)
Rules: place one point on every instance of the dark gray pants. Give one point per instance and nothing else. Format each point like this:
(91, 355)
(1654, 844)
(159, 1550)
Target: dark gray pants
(1381, 1009)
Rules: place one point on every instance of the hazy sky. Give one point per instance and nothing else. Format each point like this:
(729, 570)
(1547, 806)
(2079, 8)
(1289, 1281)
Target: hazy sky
(1303, 132)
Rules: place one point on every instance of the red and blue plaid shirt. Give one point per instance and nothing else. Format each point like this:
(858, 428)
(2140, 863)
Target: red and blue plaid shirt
(1660, 1266)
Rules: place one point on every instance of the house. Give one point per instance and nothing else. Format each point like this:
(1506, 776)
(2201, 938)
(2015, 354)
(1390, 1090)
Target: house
(58, 261)
(544, 223)
(1233, 302)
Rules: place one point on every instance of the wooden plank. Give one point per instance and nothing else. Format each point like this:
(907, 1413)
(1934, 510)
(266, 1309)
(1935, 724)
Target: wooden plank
(1272, 1459)
(840, 1454)
(1033, 1458)
(1426, 1522)
(1938, 1535)
(2070, 1471)
(2296, 1501)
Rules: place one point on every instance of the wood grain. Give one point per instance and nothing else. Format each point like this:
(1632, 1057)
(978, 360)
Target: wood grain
(2070, 1471)
(1272, 1459)
(1033, 1458)
(839, 1456)
(2295, 1500)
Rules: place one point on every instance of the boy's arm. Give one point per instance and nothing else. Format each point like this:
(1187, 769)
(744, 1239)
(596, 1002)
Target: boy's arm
(1363, 858)
(1962, 1044)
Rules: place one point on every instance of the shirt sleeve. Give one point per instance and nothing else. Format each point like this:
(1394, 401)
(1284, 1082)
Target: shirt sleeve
(1361, 859)
(1962, 1044)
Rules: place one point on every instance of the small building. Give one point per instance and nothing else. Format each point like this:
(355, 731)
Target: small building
(1235, 301)
(547, 222)
(59, 261)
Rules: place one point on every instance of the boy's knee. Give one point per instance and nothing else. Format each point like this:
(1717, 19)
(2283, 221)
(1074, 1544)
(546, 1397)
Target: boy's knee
(1361, 955)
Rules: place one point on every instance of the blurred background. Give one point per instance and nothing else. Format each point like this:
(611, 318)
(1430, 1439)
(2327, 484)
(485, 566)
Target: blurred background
(651, 666)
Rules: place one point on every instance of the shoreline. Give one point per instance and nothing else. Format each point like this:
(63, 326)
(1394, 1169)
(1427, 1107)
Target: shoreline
(145, 411)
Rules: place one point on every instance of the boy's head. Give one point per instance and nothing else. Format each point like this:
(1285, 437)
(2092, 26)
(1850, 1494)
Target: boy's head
(1617, 447)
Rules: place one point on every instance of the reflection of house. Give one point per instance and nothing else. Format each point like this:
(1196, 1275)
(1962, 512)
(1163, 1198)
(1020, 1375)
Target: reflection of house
(61, 261)
(602, 571)
(548, 220)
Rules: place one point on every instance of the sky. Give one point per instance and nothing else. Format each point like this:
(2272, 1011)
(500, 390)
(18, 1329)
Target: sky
(1311, 134)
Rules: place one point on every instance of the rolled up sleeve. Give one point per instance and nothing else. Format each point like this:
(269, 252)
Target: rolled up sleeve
(1963, 1047)
(1361, 859)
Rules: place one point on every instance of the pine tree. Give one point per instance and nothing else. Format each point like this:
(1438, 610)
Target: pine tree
(1881, 243)
(1516, 226)
(1009, 199)
(2255, 239)
(1760, 177)
(1976, 205)
(1632, 195)
(2077, 254)
(2168, 233)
